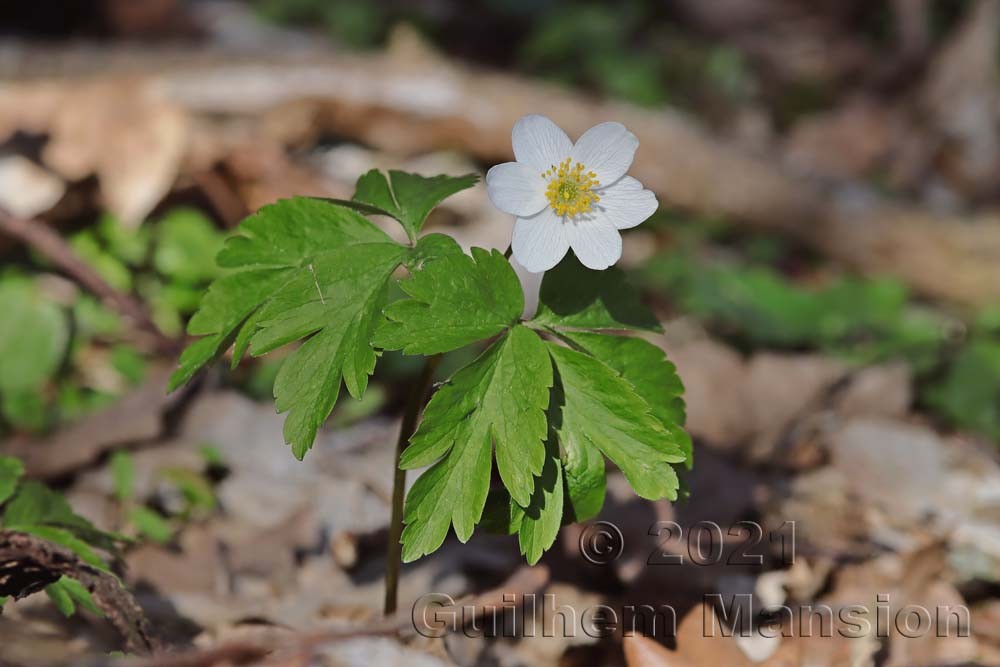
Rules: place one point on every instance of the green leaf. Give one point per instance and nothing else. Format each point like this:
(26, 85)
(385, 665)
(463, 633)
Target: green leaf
(64, 537)
(197, 491)
(128, 245)
(33, 336)
(11, 471)
(112, 269)
(454, 301)
(603, 411)
(194, 357)
(302, 268)
(498, 513)
(430, 247)
(969, 392)
(35, 506)
(129, 362)
(408, 198)
(186, 245)
(352, 290)
(574, 297)
(538, 523)
(123, 475)
(646, 368)
(150, 524)
(61, 598)
(273, 248)
(583, 465)
(25, 409)
(67, 594)
(35, 503)
(499, 398)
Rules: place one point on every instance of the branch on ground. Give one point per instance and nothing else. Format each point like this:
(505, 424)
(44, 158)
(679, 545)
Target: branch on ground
(28, 564)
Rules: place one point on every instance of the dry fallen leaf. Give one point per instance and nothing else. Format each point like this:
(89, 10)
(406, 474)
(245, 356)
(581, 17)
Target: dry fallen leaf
(121, 130)
(26, 189)
(643, 652)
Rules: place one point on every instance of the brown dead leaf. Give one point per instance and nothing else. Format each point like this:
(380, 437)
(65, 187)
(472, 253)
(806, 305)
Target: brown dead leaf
(883, 390)
(120, 130)
(26, 189)
(700, 640)
(642, 652)
(961, 96)
(715, 380)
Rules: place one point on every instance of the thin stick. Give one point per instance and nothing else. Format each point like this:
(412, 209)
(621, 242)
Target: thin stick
(394, 553)
(50, 245)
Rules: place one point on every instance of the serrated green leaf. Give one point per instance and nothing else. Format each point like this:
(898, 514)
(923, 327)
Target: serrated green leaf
(454, 300)
(338, 285)
(646, 368)
(574, 297)
(582, 462)
(498, 513)
(430, 247)
(602, 410)
(344, 294)
(302, 267)
(408, 198)
(538, 523)
(11, 471)
(501, 397)
(194, 357)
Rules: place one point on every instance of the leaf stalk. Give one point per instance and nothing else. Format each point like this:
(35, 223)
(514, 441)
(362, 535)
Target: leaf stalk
(394, 551)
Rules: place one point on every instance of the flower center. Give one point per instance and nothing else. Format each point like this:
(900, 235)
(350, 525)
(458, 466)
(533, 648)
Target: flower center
(571, 189)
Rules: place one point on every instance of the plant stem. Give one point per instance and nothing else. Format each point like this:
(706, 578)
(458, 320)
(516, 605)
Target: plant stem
(394, 552)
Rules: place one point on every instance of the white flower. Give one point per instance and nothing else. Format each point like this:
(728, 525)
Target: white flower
(568, 195)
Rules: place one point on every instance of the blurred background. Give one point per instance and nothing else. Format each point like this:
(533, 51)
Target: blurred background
(826, 263)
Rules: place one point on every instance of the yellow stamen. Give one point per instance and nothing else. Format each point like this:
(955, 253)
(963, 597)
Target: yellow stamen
(570, 190)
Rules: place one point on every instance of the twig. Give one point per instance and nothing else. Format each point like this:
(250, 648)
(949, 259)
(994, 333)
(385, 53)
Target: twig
(137, 417)
(40, 237)
(29, 563)
(394, 550)
(525, 580)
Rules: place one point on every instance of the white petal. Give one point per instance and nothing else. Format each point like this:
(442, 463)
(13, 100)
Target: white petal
(539, 242)
(516, 188)
(607, 150)
(539, 143)
(626, 204)
(595, 241)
